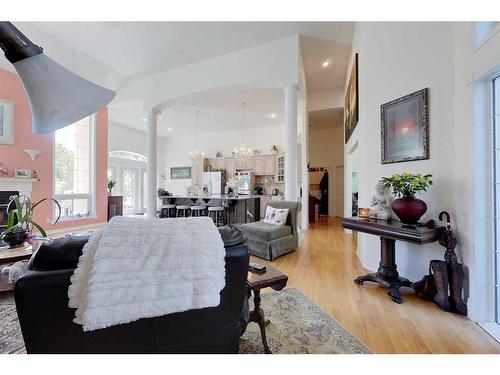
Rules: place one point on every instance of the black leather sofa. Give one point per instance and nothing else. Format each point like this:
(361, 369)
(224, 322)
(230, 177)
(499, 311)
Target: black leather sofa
(47, 321)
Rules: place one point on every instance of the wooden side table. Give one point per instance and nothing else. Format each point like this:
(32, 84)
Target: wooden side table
(387, 274)
(256, 281)
(7, 256)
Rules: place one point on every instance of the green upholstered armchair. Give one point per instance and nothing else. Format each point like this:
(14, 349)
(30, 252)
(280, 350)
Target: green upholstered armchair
(269, 241)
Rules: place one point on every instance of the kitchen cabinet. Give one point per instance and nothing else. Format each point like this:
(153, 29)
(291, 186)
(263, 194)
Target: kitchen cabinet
(280, 170)
(245, 164)
(261, 165)
(264, 165)
(218, 163)
(230, 167)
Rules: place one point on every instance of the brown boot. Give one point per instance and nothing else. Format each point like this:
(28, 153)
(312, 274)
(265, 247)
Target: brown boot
(456, 276)
(440, 272)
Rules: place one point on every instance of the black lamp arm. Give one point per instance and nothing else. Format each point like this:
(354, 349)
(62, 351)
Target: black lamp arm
(15, 45)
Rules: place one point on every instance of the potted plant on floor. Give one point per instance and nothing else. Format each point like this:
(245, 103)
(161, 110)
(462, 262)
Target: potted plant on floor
(404, 186)
(20, 223)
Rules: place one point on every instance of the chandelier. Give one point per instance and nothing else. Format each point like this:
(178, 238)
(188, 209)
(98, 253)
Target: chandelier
(242, 152)
(196, 155)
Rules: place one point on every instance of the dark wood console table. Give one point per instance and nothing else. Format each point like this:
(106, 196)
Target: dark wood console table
(390, 232)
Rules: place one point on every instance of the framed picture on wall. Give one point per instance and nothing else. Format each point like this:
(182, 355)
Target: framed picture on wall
(180, 173)
(6, 122)
(405, 128)
(23, 173)
(351, 109)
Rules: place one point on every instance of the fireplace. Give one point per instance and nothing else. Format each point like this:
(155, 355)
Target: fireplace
(4, 201)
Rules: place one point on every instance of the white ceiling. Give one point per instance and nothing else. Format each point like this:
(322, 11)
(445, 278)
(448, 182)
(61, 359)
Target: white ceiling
(112, 53)
(138, 48)
(315, 52)
(216, 113)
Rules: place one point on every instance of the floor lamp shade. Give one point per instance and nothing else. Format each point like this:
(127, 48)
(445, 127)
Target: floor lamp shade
(57, 96)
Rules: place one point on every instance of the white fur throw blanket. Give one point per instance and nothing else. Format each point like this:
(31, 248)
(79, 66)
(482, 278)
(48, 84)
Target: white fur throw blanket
(137, 268)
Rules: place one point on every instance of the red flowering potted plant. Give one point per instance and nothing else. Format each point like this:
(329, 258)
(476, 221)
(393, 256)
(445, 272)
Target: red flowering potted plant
(404, 186)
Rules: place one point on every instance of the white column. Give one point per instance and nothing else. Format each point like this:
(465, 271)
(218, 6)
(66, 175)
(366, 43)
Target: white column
(152, 134)
(305, 159)
(290, 139)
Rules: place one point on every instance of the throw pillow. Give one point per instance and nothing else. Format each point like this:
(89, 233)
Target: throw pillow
(276, 216)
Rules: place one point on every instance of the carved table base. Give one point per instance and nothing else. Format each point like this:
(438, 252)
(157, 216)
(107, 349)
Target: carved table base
(387, 274)
(257, 316)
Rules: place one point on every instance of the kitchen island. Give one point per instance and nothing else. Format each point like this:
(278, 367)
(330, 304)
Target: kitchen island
(238, 209)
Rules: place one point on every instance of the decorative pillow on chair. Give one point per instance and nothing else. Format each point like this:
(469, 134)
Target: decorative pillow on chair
(276, 216)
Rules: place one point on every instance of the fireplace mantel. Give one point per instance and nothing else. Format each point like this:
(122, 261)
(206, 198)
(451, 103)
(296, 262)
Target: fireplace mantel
(23, 185)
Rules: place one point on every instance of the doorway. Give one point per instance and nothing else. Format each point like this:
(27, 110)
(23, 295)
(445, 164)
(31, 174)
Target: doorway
(326, 159)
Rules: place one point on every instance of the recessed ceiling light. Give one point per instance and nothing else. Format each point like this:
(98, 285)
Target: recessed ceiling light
(326, 63)
(272, 115)
(169, 129)
(145, 119)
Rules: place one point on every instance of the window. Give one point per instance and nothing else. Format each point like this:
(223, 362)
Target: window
(129, 170)
(74, 166)
(127, 155)
(496, 191)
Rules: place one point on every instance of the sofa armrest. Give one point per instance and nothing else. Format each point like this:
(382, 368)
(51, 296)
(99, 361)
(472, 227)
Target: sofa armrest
(42, 307)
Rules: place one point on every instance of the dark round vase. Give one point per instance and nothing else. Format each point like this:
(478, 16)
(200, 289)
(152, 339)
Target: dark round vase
(15, 238)
(409, 209)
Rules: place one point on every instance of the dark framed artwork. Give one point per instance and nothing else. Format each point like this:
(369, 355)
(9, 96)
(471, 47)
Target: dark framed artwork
(180, 173)
(405, 128)
(351, 106)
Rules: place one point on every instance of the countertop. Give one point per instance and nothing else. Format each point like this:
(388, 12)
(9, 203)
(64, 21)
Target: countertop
(222, 196)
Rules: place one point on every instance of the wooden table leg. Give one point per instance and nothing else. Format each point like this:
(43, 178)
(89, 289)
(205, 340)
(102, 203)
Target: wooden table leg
(257, 316)
(387, 274)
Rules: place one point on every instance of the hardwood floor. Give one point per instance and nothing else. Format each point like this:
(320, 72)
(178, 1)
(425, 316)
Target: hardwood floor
(324, 268)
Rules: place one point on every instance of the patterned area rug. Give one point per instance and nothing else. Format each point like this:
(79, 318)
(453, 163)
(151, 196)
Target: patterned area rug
(11, 339)
(298, 326)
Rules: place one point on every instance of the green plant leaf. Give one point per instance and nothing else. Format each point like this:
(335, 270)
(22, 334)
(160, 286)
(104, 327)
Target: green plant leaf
(37, 226)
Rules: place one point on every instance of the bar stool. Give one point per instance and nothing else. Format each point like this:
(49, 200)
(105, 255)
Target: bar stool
(217, 215)
(198, 211)
(183, 210)
(168, 210)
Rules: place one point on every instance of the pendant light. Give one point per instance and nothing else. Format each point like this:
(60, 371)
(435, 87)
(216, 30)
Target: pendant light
(57, 96)
(196, 155)
(242, 152)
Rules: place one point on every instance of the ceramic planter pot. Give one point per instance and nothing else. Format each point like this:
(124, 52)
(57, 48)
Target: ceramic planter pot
(409, 209)
(15, 238)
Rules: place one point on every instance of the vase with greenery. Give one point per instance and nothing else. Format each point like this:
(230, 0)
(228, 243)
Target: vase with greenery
(405, 186)
(111, 185)
(233, 185)
(20, 223)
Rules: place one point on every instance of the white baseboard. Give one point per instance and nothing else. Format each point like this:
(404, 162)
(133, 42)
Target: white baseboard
(367, 266)
(492, 328)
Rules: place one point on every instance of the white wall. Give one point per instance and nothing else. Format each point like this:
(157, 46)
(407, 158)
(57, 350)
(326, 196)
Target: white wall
(124, 138)
(269, 65)
(325, 99)
(327, 150)
(177, 148)
(396, 59)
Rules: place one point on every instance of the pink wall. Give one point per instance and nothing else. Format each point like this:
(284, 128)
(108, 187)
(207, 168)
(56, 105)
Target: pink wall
(13, 156)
